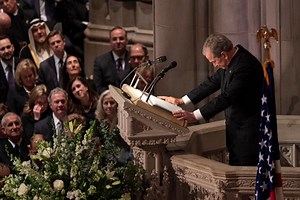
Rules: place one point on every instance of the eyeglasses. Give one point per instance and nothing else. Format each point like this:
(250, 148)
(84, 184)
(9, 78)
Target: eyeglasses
(6, 47)
(137, 57)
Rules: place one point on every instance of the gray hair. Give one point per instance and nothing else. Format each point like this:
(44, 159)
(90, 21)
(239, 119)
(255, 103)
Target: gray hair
(217, 43)
(3, 121)
(57, 90)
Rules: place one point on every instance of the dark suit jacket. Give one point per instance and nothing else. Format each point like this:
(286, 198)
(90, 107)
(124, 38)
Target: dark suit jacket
(3, 82)
(240, 86)
(16, 99)
(19, 29)
(47, 73)
(46, 127)
(28, 125)
(6, 149)
(105, 72)
(32, 9)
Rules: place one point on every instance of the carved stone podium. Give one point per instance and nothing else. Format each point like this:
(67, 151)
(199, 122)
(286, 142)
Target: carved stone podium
(147, 129)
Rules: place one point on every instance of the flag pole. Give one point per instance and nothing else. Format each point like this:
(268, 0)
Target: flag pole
(268, 177)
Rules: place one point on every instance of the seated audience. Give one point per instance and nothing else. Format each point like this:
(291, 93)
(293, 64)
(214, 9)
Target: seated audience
(51, 69)
(147, 76)
(18, 25)
(107, 109)
(107, 113)
(8, 64)
(35, 109)
(139, 55)
(4, 171)
(35, 139)
(83, 98)
(33, 148)
(74, 22)
(38, 49)
(73, 67)
(112, 67)
(12, 145)
(26, 78)
(5, 23)
(3, 111)
(45, 10)
(53, 124)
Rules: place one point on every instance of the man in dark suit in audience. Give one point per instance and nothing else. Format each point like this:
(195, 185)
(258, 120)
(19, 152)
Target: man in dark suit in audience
(112, 67)
(50, 71)
(52, 125)
(12, 128)
(8, 64)
(19, 23)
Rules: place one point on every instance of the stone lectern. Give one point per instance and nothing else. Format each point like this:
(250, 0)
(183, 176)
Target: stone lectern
(147, 129)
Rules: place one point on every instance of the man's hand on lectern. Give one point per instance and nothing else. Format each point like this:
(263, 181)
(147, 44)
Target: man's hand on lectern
(184, 115)
(172, 100)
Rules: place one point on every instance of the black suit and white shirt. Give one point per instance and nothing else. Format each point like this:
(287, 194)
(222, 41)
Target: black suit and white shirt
(240, 84)
(4, 87)
(49, 72)
(105, 71)
(7, 148)
(48, 127)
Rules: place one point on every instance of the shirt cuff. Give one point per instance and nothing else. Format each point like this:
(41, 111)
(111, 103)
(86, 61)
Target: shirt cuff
(198, 114)
(186, 100)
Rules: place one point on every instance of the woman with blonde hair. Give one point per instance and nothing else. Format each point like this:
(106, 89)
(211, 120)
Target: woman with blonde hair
(107, 108)
(106, 114)
(26, 78)
(35, 109)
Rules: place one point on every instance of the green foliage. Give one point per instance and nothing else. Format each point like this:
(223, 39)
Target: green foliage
(84, 166)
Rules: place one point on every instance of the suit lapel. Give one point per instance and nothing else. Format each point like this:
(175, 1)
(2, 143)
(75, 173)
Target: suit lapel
(50, 124)
(2, 73)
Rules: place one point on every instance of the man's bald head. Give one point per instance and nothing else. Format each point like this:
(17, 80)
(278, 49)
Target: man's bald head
(5, 23)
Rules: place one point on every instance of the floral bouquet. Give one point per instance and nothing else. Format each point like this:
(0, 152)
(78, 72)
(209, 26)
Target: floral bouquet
(77, 167)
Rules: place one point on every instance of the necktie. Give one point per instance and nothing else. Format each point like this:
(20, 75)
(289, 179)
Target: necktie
(10, 77)
(119, 64)
(60, 73)
(59, 128)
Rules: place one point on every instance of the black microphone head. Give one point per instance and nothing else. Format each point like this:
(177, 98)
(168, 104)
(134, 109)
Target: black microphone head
(162, 58)
(173, 64)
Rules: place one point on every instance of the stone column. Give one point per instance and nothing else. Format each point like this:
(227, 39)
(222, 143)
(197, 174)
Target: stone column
(134, 16)
(179, 30)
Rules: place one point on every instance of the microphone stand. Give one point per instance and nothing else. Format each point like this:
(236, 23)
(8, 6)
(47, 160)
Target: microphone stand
(154, 82)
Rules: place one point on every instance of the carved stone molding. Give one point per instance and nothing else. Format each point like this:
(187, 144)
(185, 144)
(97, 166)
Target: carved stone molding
(150, 117)
(158, 188)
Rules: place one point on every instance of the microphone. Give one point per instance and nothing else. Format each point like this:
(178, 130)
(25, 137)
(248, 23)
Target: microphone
(170, 66)
(148, 63)
(160, 76)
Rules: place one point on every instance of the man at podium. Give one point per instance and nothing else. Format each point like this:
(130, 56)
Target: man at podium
(239, 77)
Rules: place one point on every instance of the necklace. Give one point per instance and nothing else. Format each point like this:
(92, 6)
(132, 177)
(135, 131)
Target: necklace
(86, 109)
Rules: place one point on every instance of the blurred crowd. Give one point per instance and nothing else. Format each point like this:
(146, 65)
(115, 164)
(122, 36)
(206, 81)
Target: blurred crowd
(42, 78)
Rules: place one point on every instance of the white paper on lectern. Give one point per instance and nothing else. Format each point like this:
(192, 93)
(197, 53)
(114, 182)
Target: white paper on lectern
(137, 94)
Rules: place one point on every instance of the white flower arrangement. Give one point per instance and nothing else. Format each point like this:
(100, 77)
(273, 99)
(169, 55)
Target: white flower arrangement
(79, 167)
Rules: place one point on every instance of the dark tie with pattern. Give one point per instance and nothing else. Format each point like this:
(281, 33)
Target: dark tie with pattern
(10, 76)
(59, 128)
(119, 64)
(60, 81)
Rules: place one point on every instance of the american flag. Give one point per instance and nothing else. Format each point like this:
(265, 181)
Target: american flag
(268, 178)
